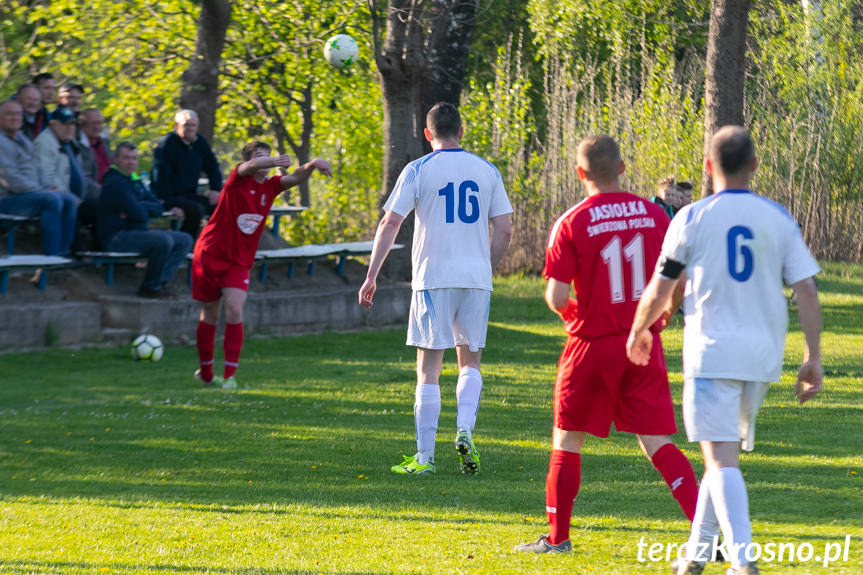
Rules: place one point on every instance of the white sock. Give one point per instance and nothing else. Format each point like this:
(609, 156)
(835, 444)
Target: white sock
(467, 394)
(426, 414)
(705, 527)
(731, 503)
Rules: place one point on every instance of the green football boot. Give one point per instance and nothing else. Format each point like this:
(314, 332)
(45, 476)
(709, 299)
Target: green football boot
(411, 466)
(468, 454)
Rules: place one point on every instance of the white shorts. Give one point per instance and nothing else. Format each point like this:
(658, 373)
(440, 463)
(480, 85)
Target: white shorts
(445, 318)
(722, 409)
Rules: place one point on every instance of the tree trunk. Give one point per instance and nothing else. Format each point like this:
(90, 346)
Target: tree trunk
(726, 72)
(451, 31)
(422, 61)
(200, 82)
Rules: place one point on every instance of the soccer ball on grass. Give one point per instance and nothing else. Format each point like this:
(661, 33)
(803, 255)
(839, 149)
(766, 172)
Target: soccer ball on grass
(341, 51)
(147, 347)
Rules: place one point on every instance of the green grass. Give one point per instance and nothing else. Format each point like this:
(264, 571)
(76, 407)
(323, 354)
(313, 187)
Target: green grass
(112, 466)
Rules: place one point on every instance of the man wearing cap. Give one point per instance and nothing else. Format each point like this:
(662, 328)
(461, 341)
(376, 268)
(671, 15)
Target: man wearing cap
(59, 156)
(25, 190)
(178, 160)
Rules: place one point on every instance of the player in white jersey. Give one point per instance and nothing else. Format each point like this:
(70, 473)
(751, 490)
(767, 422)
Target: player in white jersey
(455, 195)
(737, 249)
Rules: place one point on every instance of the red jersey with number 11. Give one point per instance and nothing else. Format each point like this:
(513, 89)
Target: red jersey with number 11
(234, 230)
(606, 247)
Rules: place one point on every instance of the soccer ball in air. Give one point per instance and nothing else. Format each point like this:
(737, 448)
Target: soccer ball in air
(147, 347)
(341, 51)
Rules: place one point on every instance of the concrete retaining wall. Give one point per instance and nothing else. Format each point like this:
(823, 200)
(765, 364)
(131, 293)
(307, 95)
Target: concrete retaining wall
(275, 313)
(25, 326)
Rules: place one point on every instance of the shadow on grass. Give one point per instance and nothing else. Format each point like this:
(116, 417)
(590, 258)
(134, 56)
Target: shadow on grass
(325, 421)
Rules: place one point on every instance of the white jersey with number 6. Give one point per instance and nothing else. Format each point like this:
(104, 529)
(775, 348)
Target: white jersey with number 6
(454, 193)
(738, 249)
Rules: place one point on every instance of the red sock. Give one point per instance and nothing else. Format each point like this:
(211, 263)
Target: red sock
(677, 473)
(561, 487)
(233, 346)
(205, 338)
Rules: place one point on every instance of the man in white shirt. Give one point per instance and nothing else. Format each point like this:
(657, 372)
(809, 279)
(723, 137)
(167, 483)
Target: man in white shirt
(456, 195)
(737, 249)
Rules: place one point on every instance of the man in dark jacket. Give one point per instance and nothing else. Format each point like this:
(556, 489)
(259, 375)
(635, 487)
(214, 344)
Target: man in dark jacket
(178, 161)
(125, 208)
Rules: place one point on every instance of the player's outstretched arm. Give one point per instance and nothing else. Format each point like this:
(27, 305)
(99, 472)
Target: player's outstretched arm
(262, 163)
(810, 377)
(501, 234)
(655, 300)
(305, 171)
(384, 238)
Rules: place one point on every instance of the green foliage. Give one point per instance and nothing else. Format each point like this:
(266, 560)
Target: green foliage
(131, 54)
(543, 74)
(115, 466)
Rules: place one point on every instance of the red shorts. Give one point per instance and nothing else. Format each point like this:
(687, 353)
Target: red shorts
(210, 274)
(597, 385)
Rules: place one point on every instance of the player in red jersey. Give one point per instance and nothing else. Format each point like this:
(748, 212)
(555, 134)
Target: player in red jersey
(225, 250)
(605, 247)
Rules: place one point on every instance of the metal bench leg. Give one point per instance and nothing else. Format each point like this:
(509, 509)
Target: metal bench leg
(10, 240)
(4, 281)
(277, 218)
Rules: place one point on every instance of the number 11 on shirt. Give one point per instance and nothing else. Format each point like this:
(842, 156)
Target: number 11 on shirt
(634, 254)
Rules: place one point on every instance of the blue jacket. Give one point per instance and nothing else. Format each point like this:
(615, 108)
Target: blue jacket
(125, 205)
(178, 165)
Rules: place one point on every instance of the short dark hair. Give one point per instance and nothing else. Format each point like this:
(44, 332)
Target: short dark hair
(250, 148)
(23, 87)
(599, 157)
(731, 150)
(125, 145)
(38, 78)
(443, 121)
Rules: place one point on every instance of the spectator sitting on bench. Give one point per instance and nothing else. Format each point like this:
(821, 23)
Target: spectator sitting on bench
(125, 207)
(35, 121)
(71, 96)
(95, 145)
(44, 82)
(25, 190)
(178, 160)
(59, 155)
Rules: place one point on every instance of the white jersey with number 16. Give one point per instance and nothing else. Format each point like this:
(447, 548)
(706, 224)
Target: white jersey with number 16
(454, 193)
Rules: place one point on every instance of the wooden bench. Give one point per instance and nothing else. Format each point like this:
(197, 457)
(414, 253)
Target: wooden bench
(108, 259)
(29, 262)
(279, 211)
(312, 253)
(11, 223)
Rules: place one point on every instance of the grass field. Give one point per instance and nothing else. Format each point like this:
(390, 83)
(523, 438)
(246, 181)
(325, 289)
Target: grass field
(112, 466)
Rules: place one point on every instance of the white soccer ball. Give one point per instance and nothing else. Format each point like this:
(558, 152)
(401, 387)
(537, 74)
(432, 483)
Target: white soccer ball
(147, 347)
(341, 51)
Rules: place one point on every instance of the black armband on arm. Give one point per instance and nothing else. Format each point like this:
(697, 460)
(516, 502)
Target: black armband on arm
(669, 268)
